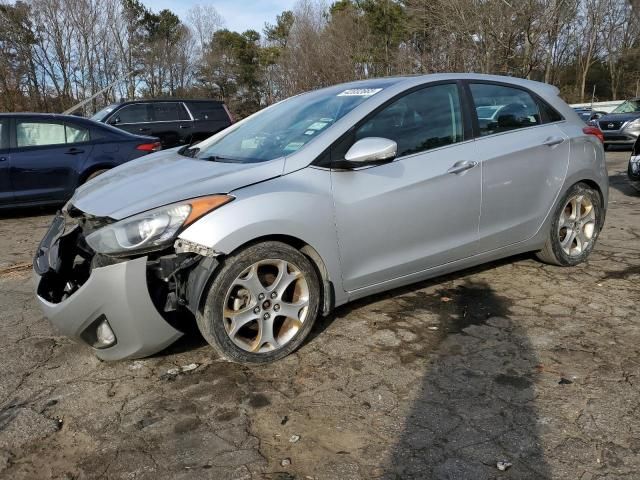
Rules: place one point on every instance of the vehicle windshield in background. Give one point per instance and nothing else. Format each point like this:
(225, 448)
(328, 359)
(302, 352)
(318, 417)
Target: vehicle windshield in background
(102, 114)
(628, 106)
(285, 127)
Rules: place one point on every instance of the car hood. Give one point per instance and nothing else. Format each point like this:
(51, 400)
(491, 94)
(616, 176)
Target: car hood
(617, 117)
(163, 178)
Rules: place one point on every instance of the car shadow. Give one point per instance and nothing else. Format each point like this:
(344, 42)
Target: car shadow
(475, 406)
(476, 403)
(324, 322)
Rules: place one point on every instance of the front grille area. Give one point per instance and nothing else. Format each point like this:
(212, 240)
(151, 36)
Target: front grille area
(611, 125)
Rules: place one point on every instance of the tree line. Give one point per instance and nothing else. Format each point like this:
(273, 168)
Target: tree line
(55, 53)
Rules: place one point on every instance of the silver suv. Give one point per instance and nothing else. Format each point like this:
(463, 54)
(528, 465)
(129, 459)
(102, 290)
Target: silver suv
(622, 125)
(318, 200)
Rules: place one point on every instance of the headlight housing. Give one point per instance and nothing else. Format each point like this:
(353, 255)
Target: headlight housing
(633, 125)
(153, 229)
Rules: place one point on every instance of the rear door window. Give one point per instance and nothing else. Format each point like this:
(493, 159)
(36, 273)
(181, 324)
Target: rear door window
(168, 112)
(500, 108)
(134, 113)
(77, 134)
(35, 134)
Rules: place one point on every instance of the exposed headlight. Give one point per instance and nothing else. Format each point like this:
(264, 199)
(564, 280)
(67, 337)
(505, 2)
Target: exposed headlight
(153, 229)
(634, 125)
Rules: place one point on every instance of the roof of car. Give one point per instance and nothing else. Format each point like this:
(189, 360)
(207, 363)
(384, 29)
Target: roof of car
(164, 100)
(415, 80)
(51, 116)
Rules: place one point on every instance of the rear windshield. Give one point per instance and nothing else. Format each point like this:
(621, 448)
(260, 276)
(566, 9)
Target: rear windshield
(104, 113)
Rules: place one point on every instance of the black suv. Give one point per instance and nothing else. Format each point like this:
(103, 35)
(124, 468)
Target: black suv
(174, 122)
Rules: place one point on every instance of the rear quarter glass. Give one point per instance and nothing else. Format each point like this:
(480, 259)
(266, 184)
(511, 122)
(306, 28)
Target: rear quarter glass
(208, 111)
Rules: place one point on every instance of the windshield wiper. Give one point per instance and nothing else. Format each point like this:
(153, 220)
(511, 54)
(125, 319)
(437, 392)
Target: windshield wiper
(218, 158)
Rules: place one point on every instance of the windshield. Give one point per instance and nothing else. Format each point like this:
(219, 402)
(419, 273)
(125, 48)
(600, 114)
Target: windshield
(628, 106)
(285, 127)
(102, 114)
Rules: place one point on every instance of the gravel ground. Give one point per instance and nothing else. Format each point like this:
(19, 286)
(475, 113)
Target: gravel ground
(514, 361)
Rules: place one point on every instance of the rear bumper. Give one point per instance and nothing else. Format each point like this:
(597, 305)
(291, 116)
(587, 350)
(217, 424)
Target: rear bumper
(118, 292)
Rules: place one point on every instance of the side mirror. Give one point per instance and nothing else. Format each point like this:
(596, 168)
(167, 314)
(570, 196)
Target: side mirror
(114, 120)
(371, 150)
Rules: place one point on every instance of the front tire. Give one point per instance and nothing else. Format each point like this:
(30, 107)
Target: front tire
(575, 227)
(261, 304)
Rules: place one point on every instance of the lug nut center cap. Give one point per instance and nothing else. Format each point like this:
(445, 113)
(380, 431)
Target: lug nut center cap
(266, 305)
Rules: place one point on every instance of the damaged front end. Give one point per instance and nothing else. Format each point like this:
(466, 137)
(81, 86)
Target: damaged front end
(124, 306)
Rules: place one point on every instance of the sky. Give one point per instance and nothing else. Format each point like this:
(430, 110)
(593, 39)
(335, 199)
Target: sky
(239, 15)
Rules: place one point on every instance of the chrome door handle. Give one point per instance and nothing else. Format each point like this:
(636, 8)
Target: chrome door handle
(553, 141)
(462, 166)
(3, 159)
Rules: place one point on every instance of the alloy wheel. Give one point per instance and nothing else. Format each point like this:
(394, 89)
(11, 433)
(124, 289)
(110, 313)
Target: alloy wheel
(266, 305)
(577, 225)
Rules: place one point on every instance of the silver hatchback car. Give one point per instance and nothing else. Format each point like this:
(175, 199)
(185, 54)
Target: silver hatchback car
(318, 200)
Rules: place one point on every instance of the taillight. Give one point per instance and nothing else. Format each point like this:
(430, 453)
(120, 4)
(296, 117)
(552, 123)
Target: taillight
(595, 131)
(231, 119)
(149, 147)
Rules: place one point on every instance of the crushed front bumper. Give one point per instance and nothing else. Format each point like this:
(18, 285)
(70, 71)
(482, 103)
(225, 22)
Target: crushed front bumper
(118, 293)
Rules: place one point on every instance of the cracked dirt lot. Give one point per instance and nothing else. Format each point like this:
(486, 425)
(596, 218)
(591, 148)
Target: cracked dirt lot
(437, 380)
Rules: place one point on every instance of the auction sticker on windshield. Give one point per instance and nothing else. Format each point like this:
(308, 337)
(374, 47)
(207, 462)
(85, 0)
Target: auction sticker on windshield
(359, 92)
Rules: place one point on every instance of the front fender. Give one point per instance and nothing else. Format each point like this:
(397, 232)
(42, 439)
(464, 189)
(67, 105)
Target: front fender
(297, 205)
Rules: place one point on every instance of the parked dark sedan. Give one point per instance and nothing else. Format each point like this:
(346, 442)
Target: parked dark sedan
(622, 125)
(174, 122)
(45, 157)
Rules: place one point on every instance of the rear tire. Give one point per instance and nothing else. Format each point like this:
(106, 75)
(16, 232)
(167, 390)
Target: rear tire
(575, 227)
(261, 304)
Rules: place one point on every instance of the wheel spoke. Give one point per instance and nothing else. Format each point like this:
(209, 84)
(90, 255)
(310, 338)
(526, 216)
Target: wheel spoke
(577, 208)
(265, 335)
(239, 318)
(568, 240)
(292, 310)
(284, 278)
(251, 282)
(563, 220)
(590, 216)
(583, 239)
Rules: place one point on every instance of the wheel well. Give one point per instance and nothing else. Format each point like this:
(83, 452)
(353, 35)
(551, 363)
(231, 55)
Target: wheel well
(311, 253)
(595, 187)
(92, 169)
